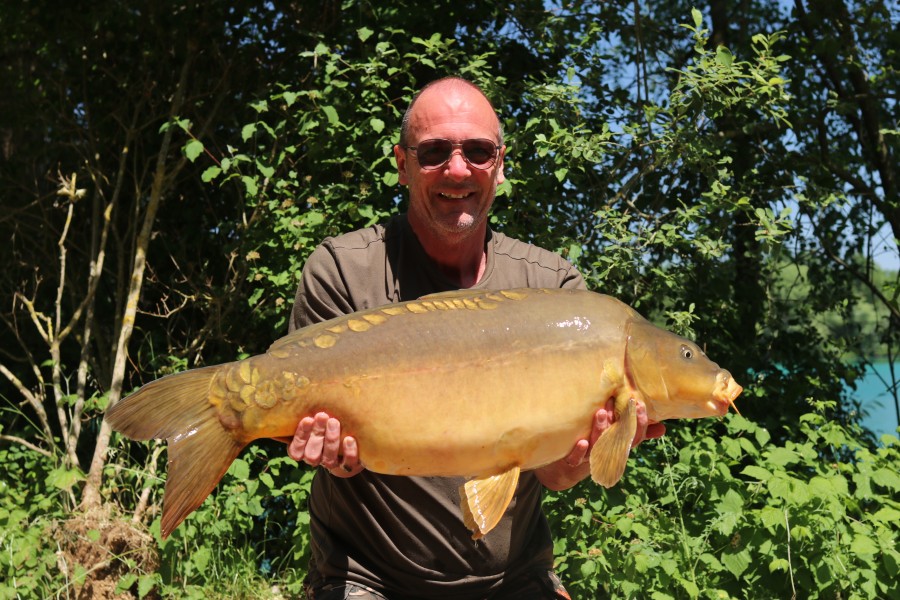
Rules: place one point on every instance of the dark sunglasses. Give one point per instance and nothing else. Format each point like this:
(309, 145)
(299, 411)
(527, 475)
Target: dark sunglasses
(434, 154)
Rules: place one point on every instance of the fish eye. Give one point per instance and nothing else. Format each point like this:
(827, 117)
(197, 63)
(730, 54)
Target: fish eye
(687, 353)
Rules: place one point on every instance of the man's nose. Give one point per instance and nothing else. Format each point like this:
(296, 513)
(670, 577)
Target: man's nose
(457, 167)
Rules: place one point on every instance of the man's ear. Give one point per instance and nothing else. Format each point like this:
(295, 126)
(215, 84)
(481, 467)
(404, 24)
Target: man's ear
(400, 157)
(500, 176)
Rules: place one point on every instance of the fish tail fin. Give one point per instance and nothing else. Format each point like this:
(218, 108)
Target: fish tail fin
(201, 449)
(610, 452)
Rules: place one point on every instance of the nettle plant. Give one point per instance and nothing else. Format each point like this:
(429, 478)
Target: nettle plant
(715, 510)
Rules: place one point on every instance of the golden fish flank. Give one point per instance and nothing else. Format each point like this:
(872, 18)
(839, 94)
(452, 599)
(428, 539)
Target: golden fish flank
(513, 354)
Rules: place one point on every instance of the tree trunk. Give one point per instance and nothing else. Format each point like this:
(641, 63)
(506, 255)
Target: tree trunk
(91, 497)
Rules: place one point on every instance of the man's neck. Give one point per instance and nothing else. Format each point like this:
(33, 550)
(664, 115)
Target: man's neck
(462, 259)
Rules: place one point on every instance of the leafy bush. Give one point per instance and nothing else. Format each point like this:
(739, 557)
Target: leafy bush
(718, 511)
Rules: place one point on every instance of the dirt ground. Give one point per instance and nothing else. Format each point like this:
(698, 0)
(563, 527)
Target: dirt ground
(107, 547)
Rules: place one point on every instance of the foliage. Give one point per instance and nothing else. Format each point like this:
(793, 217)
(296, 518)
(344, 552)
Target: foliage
(718, 511)
(27, 506)
(246, 538)
(299, 190)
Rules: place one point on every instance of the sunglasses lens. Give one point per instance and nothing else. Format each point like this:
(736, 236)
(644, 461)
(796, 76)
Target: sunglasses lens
(479, 152)
(433, 153)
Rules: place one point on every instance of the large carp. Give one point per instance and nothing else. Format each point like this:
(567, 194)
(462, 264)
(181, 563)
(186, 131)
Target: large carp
(480, 384)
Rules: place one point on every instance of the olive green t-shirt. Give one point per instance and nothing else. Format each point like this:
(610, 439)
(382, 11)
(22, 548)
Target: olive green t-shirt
(404, 536)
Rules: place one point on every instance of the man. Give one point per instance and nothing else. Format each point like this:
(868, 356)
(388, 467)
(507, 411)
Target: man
(377, 536)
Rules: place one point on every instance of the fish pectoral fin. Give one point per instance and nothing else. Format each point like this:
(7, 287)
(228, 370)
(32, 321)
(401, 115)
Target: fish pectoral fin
(610, 452)
(483, 500)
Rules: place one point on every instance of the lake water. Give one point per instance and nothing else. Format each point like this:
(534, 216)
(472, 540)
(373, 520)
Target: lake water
(876, 399)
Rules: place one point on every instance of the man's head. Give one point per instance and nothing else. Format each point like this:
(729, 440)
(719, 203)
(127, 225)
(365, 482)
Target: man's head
(450, 200)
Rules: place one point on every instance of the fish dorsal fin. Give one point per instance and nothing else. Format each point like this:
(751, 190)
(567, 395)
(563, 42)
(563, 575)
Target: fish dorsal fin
(483, 500)
(452, 294)
(611, 450)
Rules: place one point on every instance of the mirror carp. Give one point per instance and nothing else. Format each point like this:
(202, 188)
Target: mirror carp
(481, 384)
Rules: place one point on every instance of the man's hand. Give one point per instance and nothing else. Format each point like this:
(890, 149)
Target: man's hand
(318, 442)
(565, 473)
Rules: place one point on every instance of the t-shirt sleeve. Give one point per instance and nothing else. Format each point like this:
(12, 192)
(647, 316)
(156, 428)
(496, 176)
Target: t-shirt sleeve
(571, 278)
(322, 293)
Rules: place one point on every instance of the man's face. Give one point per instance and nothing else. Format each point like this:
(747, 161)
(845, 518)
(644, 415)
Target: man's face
(453, 200)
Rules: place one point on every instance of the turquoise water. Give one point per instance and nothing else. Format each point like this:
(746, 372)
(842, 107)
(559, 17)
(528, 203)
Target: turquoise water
(876, 399)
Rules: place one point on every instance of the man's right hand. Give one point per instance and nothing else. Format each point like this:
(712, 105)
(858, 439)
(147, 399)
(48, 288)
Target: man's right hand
(318, 442)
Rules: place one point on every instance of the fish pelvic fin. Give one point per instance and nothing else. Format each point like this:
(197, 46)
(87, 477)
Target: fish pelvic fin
(483, 500)
(200, 449)
(610, 452)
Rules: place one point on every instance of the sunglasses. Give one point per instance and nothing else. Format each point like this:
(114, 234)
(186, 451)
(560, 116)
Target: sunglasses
(434, 154)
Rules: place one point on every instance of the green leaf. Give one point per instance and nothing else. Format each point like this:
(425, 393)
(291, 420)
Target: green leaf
(886, 515)
(771, 517)
(265, 170)
(698, 17)
(779, 564)
(201, 557)
(146, 583)
(193, 149)
(690, 587)
(390, 178)
(863, 545)
(126, 582)
(331, 114)
(63, 479)
(377, 124)
(780, 486)
(887, 478)
(731, 503)
(757, 473)
(587, 568)
(364, 33)
(210, 173)
(782, 457)
(736, 562)
(239, 469)
(250, 184)
(724, 57)
(247, 131)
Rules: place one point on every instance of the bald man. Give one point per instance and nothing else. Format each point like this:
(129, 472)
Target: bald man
(378, 536)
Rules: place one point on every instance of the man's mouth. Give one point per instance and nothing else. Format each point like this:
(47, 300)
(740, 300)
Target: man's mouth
(455, 196)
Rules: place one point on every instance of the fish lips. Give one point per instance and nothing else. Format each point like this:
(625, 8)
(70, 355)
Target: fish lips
(727, 390)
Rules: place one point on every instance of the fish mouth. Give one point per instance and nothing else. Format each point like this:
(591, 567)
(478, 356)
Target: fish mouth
(727, 389)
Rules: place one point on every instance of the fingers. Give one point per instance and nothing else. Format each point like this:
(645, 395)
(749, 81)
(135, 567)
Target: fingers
(640, 433)
(350, 464)
(606, 416)
(317, 441)
(603, 418)
(578, 454)
(331, 443)
(297, 447)
(645, 429)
